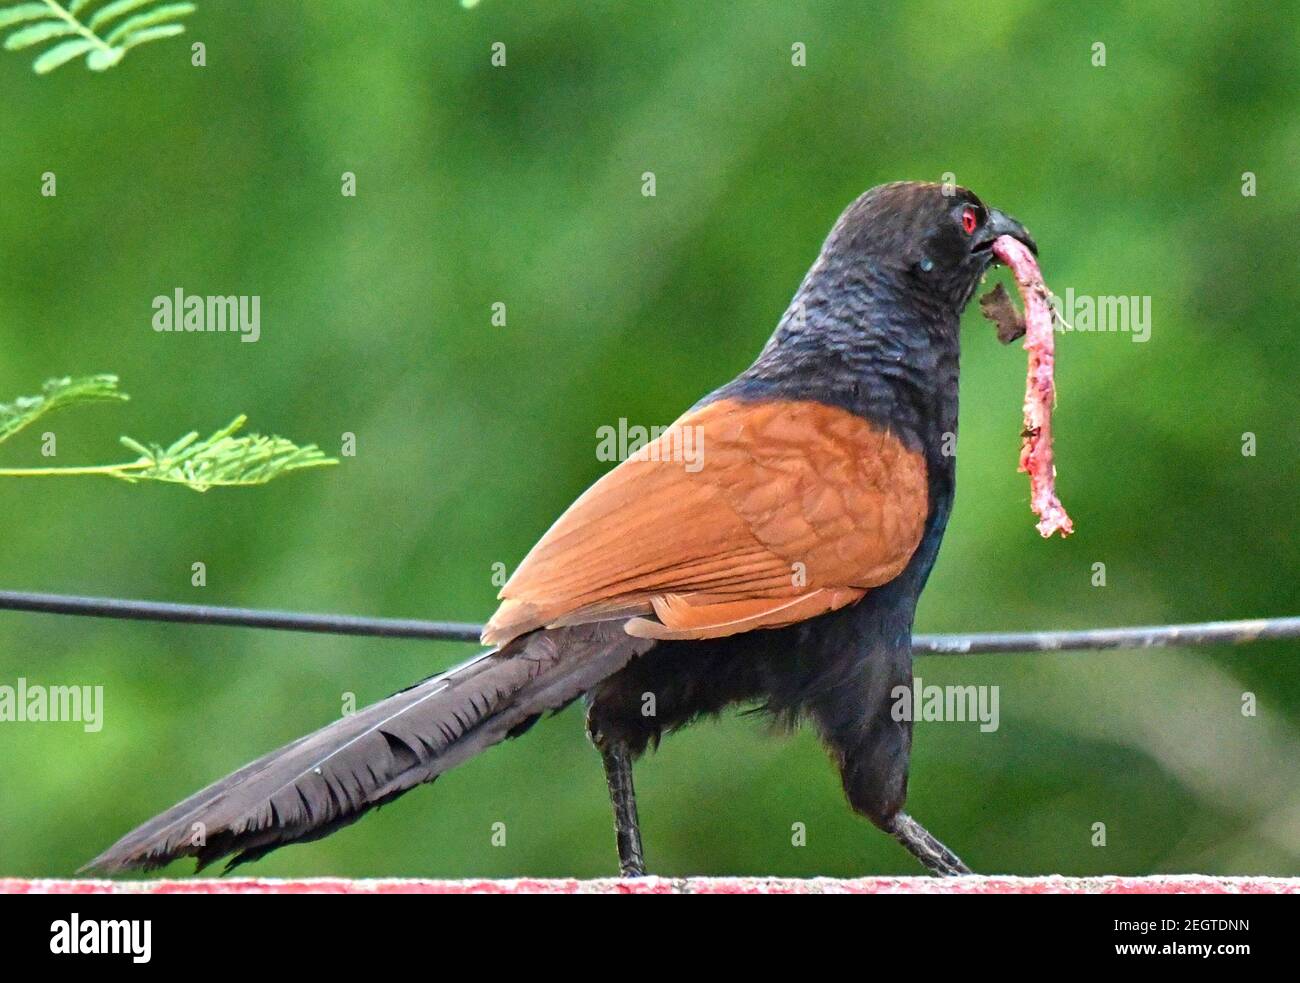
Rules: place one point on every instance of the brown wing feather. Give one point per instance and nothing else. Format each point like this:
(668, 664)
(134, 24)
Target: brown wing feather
(790, 509)
(699, 616)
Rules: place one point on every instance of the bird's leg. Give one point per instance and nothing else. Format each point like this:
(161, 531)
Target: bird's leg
(622, 796)
(920, 843)
(857, 713)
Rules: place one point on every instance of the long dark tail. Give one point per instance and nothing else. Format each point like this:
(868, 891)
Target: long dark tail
(328, 779)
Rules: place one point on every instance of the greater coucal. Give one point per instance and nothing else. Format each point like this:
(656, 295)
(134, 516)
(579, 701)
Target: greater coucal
(783, 567)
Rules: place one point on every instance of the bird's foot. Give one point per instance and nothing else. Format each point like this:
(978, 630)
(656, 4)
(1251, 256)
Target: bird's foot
(920, 843)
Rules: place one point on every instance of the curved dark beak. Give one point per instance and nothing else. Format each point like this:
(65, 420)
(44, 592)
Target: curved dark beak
(1002, 224)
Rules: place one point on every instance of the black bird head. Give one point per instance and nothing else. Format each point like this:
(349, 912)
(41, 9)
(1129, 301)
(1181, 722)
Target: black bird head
(937, 239)
(873, 327)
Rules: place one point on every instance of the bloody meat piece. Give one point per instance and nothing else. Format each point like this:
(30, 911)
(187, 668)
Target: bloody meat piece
(1040, 389)
(996, 305)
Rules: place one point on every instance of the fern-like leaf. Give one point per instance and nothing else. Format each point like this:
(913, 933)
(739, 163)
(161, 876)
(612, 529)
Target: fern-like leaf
(111, 31)
(152, 34)
(36, 33)
(221, 460)
(56, 394)
(159, 15)
(9, 16)
(61, 54)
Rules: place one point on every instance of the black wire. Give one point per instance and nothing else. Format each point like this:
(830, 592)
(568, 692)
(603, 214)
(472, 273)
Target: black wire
(204, 614)
(1089, 639)
(1094, 639)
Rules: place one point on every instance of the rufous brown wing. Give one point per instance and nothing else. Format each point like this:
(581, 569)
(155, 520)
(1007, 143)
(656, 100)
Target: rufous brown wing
(781, 511)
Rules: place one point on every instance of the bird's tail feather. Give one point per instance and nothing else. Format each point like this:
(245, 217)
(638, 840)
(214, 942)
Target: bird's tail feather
(330, 778)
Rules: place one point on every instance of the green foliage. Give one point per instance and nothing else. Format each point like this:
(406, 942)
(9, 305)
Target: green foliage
(104, 37)
(221, 460)
(55, 394)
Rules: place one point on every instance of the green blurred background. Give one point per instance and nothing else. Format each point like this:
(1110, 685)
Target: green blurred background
(522, 184)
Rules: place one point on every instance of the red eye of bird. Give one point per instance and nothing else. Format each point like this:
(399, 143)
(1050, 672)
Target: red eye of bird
(969, 220)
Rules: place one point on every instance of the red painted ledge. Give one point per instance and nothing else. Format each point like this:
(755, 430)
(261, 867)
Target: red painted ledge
(976, 884)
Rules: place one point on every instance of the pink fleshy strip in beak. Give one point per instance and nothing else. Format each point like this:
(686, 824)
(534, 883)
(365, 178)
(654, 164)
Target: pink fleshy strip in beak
(1040, 390)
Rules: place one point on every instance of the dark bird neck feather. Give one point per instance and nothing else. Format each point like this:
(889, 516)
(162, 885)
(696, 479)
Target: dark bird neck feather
(866, 337)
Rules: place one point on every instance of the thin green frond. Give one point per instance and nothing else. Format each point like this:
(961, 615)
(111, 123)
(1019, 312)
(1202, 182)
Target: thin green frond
(56, 394)
(152, 34)
(160, 14)
(128, 23)
(102, 58)
(36, 33)
(221, 460)
(112, 11)
(10, 16)
(61, 54)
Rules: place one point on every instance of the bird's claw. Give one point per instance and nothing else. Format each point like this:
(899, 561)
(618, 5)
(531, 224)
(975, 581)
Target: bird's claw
(921, 843)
